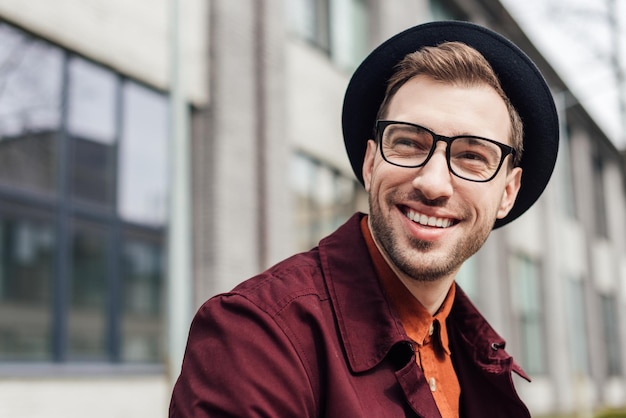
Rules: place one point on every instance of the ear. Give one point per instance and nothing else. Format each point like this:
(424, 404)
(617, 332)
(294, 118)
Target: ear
(511, 188)
(368, 163)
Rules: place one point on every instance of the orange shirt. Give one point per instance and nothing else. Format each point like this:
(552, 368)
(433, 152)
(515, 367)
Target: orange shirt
(428, 332)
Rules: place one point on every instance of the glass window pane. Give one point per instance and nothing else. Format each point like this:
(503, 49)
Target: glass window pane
(142, 321)
(310, 19)
(611, 335)
(350, 30)
(92, 125)
(566, 185)
(30, 81)
(88, 293)
(441, 10)
(30, 110)
(91, 173)
(324, 199)
(577, 329)
(528, 311)
(301, 15)
(467, 278)
(26, 269)
(302, 173)
(29, 162)
(91, 101)
(599, 198)
(143, 171)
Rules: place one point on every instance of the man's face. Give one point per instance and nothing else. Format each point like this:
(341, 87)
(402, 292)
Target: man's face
(404, 200)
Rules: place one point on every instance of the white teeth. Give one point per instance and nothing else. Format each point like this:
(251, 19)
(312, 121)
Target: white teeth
(428, 220)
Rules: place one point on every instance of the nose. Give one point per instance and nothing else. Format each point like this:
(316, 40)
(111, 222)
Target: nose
(434, 179)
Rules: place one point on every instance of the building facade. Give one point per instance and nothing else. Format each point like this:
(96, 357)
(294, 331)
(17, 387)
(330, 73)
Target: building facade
(87, 93)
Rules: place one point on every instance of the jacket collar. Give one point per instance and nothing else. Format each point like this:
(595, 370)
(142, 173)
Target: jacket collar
(358, 299)
(486, 344)
(367, 324)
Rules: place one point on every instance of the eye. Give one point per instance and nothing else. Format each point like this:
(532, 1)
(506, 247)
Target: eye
(408, 143)
(475, 151)
(469, 155)
(405, 138)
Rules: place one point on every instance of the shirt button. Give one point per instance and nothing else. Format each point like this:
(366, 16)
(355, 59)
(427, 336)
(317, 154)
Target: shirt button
(433, 384)
(431, 329)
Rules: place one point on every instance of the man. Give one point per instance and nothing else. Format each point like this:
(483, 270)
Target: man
(452, 130)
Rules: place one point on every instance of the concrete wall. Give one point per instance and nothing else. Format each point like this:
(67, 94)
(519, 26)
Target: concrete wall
(93, 397)
(242, 212)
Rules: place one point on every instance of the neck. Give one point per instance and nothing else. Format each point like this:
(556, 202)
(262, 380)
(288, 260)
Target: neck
(430, 294)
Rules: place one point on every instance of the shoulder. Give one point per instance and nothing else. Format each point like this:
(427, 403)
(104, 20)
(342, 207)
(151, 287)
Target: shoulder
(237, 337)
(295, 278)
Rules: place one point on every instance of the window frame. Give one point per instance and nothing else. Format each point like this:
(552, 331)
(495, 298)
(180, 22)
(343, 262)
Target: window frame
(63, 209)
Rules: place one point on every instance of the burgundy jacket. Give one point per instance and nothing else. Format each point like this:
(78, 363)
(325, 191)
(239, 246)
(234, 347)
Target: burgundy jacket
(314, 336)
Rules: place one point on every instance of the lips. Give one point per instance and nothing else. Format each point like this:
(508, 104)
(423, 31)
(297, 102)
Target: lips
(426, 220)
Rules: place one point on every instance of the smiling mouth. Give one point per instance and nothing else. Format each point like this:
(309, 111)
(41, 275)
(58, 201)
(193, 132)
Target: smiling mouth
(425, 220)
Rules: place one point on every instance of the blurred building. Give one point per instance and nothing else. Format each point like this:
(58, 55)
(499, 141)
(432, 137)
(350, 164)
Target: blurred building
(86, 140)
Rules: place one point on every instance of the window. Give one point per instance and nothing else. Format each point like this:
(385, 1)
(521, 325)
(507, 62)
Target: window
(87, 310)
(31, 75)
(82, 208)
(600, 215)
(338, 27)
(92, 95)
(324, 199)
(577, 326)
(568, 194)
(528, 313)
(467, 278)
(310, 19)
(610, 328)
(349, 29)
(27, 239)
(443, 10)
(142, 299)
(143, 157)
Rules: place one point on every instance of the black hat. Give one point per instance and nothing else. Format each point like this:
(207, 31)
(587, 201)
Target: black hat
(520, 79)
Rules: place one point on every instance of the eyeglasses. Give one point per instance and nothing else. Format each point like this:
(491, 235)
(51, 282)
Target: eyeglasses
(469, 157)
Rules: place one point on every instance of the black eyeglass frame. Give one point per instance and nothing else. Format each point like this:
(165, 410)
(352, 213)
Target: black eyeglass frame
(381, 124)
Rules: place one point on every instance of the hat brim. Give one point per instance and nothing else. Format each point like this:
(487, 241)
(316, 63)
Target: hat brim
(520, 79)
